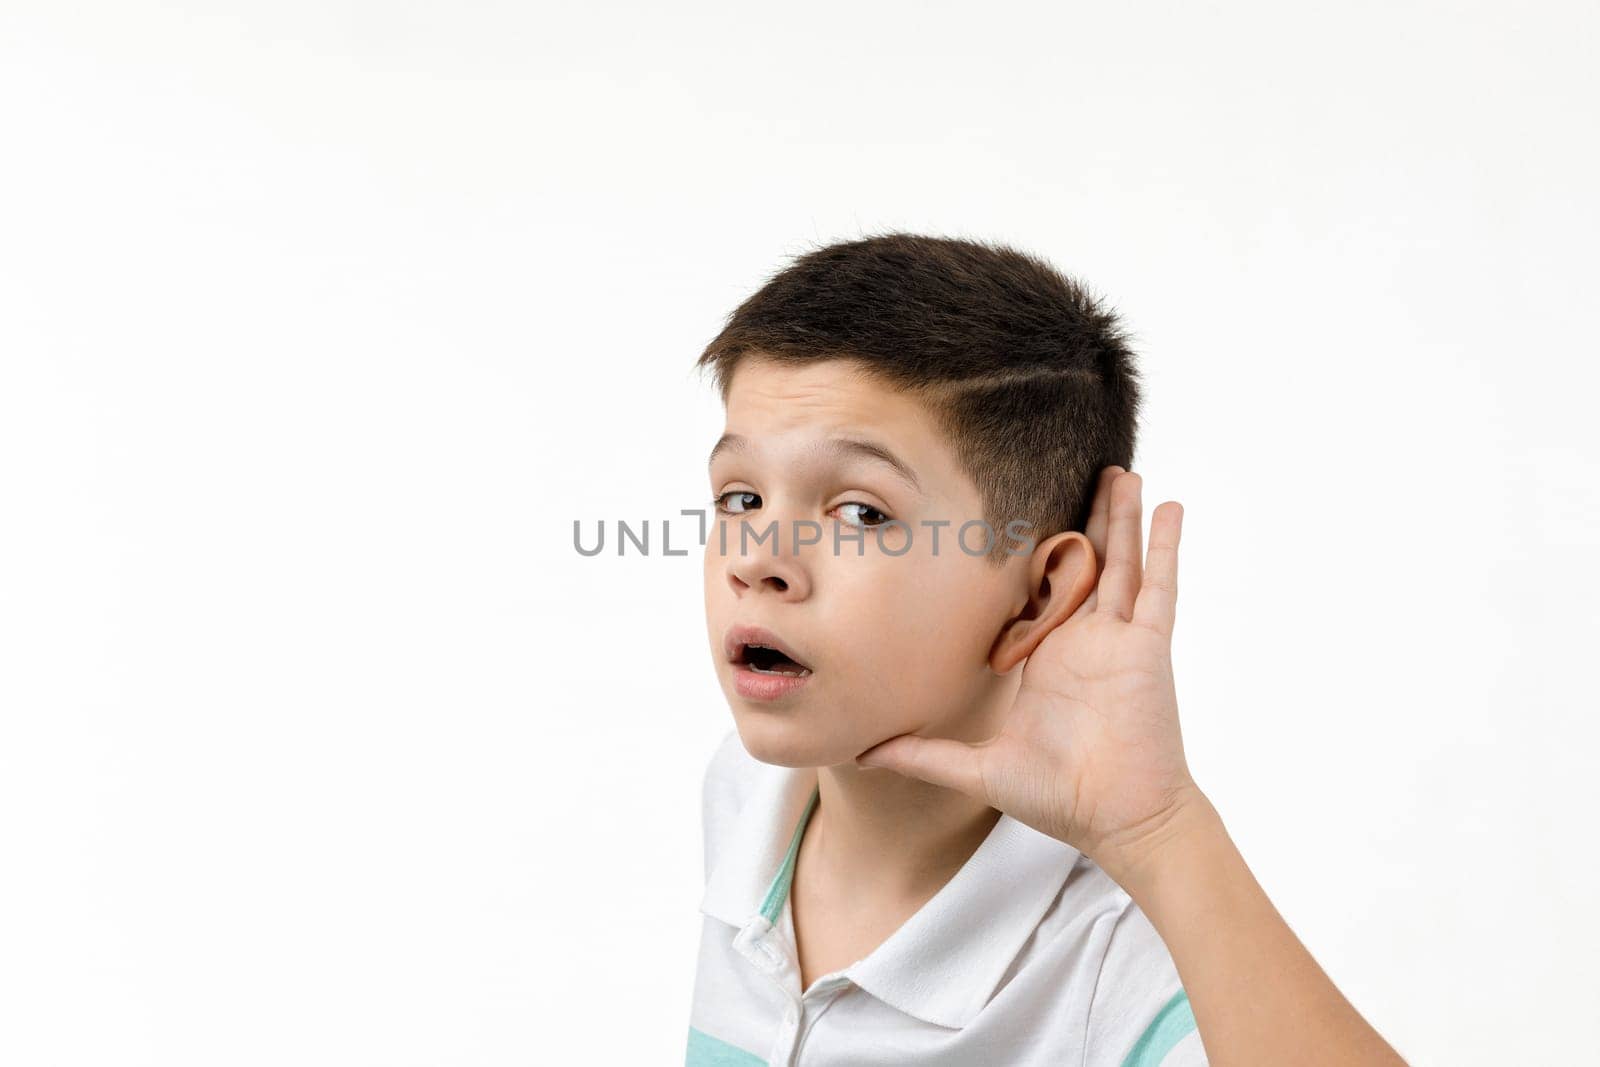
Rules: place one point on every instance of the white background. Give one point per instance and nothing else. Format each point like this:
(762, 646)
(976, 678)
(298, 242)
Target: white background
(322, 322)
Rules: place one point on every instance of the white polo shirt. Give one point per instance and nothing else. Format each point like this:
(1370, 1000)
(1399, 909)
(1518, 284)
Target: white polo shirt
(1030, 954)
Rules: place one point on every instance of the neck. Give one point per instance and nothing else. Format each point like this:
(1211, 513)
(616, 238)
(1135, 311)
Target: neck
(889, 835)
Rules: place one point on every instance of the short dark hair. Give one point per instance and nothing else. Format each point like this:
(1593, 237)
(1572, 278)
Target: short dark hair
(1029, 375)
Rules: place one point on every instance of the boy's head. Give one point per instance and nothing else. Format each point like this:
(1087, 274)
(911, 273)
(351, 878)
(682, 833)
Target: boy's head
(915, 426)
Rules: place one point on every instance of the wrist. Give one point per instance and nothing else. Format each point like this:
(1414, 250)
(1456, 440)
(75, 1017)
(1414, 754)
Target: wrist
(1139, 857)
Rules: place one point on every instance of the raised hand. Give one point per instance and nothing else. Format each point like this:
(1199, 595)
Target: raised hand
(1091, 752)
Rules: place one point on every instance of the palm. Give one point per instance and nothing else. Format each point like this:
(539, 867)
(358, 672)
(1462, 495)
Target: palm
(1093, 734)
(1091, 747)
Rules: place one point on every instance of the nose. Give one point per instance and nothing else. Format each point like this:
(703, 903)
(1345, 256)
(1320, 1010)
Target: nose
(771, 569)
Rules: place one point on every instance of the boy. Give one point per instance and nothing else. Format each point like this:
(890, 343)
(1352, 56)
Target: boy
(954, 823)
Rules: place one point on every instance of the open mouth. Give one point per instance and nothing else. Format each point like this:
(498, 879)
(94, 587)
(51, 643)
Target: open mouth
(764, 660)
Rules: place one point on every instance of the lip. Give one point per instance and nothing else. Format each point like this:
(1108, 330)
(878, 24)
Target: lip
(737, 637)
(753, 684)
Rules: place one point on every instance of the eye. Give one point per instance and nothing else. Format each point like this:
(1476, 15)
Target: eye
(865, 515)
(742, 505)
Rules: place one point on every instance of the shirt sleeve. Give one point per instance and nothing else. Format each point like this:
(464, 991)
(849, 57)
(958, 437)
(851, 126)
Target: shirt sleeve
(1139, 1015)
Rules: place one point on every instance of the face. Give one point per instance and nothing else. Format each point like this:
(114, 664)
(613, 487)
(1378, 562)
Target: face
(885, 631)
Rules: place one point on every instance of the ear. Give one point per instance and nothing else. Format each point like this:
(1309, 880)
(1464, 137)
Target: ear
(1060, 575)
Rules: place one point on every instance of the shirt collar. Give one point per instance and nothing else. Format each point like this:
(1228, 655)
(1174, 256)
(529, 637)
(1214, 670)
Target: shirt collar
(753, 856)
(945, 962)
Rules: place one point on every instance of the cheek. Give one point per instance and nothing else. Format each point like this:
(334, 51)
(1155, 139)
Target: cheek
(911, 629)
(717, 598)
(714, 569)
(707, 577)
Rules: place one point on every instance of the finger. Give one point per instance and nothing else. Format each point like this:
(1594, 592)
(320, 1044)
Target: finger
(1119, 582)
(1095, 531)
(1100, 512)
(952, 764)
(1158, 596)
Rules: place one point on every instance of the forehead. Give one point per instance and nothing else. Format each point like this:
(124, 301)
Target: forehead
(768, 398)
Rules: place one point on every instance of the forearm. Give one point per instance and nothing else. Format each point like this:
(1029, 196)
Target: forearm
(1258, 996)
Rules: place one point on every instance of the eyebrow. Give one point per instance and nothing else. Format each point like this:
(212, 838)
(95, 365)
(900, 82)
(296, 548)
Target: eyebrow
(833, 446)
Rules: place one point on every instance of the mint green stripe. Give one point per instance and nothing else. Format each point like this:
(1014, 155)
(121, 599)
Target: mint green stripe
(707, 1051)
(1173, 1023)
(779, 890)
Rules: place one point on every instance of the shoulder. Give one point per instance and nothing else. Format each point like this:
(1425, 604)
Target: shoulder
(726, 782)
(1139, 1014)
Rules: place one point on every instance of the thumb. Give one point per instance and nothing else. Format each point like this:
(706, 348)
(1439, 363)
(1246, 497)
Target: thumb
(941, 761)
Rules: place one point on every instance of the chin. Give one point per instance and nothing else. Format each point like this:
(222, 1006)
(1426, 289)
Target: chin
(788, 741)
